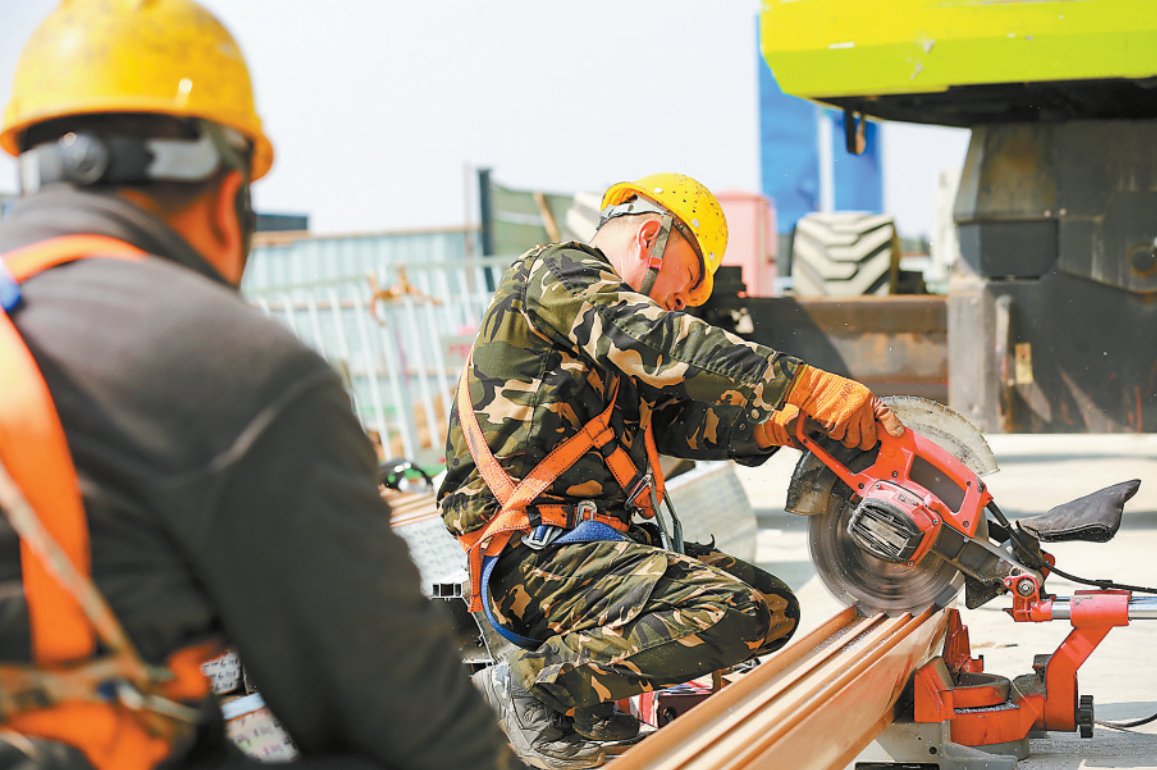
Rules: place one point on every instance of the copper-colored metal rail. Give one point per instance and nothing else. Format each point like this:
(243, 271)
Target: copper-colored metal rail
(813, 706)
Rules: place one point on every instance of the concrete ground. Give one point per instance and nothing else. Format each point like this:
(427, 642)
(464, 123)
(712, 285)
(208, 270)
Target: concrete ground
(1037, 472)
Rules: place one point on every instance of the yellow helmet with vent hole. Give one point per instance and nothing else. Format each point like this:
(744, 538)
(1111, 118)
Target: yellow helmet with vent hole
(695, 207)
(165, 57)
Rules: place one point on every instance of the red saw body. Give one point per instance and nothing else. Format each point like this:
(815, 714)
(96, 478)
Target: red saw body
(908, 495)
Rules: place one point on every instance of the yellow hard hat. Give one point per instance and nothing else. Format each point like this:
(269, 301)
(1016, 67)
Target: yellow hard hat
(164, 57)
(696, 209)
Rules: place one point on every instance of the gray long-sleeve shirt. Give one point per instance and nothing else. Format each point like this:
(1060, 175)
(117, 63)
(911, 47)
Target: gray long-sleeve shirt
(229, 489)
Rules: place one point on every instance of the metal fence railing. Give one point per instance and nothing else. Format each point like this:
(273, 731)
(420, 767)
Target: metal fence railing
(285, 258)
(398, 336)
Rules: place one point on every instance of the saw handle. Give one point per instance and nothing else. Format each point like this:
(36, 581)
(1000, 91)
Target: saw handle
(858, 482)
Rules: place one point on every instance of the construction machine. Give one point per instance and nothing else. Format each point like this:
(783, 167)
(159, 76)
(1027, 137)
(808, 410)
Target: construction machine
(1053, 306)
(1051, 318)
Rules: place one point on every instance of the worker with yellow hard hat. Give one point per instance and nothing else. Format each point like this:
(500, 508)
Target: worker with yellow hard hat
(176, 471)
(684, 204)
(585, 369)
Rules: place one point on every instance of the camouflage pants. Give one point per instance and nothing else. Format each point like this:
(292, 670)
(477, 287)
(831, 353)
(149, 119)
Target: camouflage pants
(620, 618)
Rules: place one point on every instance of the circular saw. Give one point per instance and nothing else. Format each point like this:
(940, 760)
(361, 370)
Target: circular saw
(904, 525)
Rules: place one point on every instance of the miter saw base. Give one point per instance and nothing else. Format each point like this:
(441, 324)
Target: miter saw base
(908, 744)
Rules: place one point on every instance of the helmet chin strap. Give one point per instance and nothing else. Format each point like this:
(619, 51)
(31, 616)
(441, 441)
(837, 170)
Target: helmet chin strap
(655, 261)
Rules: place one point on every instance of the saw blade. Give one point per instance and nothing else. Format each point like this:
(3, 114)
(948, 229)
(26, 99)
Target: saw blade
(855, 576)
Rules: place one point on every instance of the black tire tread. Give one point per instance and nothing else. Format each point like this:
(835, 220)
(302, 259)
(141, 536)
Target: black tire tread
(844, 254)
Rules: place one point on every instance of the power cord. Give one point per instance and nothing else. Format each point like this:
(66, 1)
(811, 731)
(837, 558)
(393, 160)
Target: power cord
(1124, 726)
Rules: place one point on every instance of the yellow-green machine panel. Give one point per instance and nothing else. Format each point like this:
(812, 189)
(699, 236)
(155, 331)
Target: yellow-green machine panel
(965, 61)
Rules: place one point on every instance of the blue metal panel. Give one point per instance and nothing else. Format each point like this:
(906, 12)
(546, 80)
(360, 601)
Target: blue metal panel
(858, 179)
(789, 157)
(789, 161)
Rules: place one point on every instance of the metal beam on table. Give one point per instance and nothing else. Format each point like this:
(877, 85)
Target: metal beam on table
(813, 706)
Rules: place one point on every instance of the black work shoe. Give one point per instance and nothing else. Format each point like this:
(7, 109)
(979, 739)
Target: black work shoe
(603, 723)
(535, 731)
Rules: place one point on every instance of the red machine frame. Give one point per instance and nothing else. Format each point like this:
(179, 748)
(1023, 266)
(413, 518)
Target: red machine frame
(984, 710)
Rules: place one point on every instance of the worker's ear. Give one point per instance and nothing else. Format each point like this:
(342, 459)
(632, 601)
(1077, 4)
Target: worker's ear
(646, 236)
(226, 227)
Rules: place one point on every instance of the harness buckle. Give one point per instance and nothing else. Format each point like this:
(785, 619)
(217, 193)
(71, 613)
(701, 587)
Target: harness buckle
(585, 511)
(133, 699)
(639, 487)
(542, 536)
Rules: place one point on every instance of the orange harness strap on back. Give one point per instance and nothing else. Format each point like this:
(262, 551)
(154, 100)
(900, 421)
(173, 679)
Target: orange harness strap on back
(121, 712)
(516, 498)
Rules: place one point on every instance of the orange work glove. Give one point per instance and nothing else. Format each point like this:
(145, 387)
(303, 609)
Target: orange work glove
(844, 409)
(779, 430)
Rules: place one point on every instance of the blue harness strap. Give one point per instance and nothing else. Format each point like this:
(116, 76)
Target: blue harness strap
(586, 532)
(9, 289)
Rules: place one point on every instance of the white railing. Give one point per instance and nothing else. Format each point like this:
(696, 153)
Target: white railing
(398, 336)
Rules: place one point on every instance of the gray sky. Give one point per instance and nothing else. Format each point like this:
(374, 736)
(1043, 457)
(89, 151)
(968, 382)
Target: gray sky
(378, 109)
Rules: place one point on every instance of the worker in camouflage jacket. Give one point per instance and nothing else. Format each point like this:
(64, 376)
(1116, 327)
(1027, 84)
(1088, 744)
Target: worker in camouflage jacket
(571, 326)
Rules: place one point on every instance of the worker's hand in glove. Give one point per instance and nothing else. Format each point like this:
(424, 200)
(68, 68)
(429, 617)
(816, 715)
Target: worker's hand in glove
(780, 429)
(844, 409)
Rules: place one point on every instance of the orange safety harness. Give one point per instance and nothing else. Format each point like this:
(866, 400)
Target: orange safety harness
(121, 712)
(519, 514)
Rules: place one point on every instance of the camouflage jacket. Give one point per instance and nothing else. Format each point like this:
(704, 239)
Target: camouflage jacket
(561, 325)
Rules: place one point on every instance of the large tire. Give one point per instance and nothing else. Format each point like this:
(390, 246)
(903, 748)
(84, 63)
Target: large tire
(844, 254)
